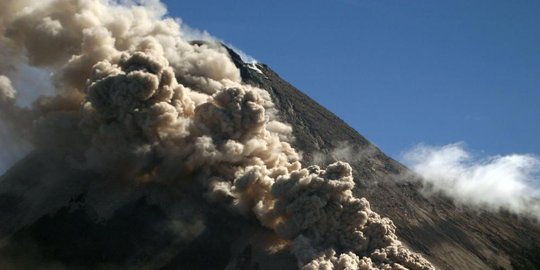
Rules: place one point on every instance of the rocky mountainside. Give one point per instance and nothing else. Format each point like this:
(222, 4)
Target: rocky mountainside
(65, 217)
(450, 237)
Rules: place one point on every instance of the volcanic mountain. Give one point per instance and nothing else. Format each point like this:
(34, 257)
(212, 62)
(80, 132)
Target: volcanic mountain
(63, 232)
(153, 151)
(450, 237)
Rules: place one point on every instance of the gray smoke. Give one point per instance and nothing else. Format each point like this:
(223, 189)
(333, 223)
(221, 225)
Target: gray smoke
(136, 100)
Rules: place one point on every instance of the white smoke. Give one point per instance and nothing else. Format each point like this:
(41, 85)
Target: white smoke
(509, 182)
(344, 151)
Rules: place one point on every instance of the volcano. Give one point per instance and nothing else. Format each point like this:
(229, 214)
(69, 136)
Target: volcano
(50, 220)
(159, 152)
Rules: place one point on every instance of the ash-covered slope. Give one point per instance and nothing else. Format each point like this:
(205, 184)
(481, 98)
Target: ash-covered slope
(451, 237)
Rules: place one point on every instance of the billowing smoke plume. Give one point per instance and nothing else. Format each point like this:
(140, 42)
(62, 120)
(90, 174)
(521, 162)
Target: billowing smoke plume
(135, 100)
(509, 182)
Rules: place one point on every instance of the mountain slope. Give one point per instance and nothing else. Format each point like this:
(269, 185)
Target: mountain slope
(450, 237)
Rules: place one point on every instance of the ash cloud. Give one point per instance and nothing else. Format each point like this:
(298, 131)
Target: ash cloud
(510, 182)
(138, 103)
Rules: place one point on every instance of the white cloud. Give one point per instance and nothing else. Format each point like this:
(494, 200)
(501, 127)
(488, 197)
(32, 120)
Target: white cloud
(509, 182)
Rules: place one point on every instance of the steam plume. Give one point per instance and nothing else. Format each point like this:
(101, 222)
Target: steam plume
(136, 100)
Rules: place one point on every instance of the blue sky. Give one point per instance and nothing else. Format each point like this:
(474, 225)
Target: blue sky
(399, 72)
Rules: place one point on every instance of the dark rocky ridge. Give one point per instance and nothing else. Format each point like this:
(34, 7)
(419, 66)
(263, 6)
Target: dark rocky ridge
(448, 236)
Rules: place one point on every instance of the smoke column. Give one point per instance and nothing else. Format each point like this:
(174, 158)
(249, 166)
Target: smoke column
(134, 100)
